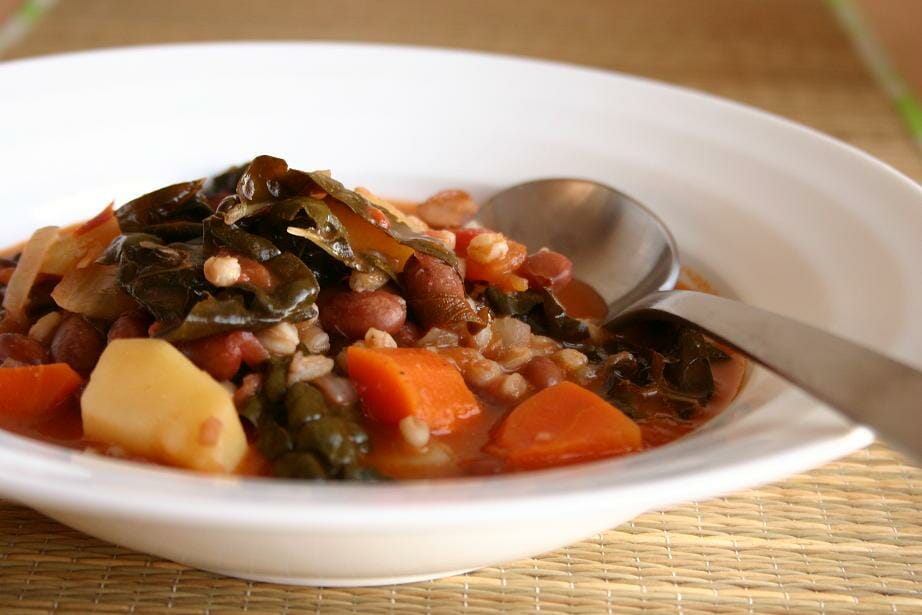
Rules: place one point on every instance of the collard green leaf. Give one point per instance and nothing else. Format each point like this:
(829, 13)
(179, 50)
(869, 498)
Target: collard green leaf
(173, 213)
(327, 232)
(688, 368)
(269, 189)
(513, 304)
(167, 279)
(660, 359)
(246, 307)
(396, 228)
(561, 325)
(238, 241)
(224, 183)
(261, 179)
(542, 310)
(267, 178)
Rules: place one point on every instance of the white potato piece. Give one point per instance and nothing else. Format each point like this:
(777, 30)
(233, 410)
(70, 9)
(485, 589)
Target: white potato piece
(147, 398)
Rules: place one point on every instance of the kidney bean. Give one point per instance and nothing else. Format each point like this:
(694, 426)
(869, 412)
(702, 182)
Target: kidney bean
(407, 335)
(547, 268)
(78, 343)
(435, 292)
(448, 208)
(21, 349)
(130, 324)
(541, 372)
(352, 314)
(221, 354)
(426, 275)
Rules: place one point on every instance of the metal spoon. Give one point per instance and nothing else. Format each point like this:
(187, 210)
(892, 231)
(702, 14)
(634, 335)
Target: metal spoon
(628, 255)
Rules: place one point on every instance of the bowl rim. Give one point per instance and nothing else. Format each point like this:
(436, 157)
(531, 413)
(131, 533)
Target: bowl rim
(48, 476)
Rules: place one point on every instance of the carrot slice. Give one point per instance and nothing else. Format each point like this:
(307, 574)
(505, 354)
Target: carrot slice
(394, 383)
(35, 389)
(564, 424)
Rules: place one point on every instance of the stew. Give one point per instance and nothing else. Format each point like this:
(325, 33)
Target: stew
(271, 322)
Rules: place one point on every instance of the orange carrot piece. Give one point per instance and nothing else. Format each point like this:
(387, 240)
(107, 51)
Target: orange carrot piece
(366, 237)
(564, 424)
(394, 383)
(36, 389)
(500, 273)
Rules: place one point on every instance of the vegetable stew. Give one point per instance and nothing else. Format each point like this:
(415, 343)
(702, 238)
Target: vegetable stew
(272, 322)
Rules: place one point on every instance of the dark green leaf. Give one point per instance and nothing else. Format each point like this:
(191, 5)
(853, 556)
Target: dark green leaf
(303, 466)
(172, 213)
(273, 441)
(304, 403)
(165, 278)
(327, 232)
(689, 369)
(396, 229)
(246, 307)
(513, 304)
(224, 183)
(238, 241)
(542, 310)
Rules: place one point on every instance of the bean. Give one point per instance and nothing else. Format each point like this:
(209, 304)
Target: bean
(337, 390)
(252, 352)
(449, 208)
(21, 349)
(352, 314)
(78, 343)
(221, 354)
(214, 354)
(435, 292)
(545, 268)
(542, 373)
(407, 335)
(130, 324)
(426, 275)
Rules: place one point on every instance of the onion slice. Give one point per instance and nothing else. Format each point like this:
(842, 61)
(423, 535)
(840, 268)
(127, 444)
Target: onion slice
(27, 269)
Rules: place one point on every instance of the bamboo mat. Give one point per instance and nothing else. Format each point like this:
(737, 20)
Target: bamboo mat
(845, 538)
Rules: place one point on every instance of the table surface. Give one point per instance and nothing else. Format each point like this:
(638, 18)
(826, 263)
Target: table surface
(844, 538)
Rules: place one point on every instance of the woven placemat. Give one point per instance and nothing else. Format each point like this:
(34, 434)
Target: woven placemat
(844, 538)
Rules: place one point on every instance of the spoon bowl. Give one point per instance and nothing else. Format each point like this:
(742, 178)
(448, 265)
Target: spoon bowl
(617, 245)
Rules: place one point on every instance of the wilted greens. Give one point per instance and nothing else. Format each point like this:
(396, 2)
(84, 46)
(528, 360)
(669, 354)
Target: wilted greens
(276, 216)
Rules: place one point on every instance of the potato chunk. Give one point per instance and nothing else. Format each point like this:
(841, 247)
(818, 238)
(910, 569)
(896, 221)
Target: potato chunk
(149, 399)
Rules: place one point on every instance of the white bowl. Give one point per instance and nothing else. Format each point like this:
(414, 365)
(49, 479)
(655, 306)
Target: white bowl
(776, 214)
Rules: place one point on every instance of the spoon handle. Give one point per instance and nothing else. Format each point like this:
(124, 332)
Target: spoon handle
(862, 384)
